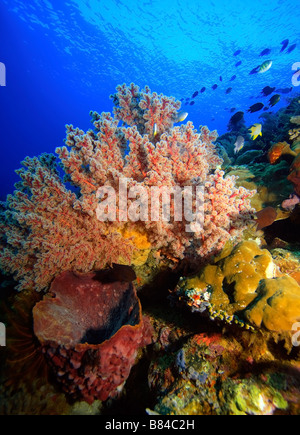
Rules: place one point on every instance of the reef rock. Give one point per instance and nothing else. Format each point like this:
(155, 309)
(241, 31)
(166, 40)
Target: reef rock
(216, 374)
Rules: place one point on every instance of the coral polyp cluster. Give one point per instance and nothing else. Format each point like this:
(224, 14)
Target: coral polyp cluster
(47, 228)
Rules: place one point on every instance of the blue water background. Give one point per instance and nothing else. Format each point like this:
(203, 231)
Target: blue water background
(64, 58)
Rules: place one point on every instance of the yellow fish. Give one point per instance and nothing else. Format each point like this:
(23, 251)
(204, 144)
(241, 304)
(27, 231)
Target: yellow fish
(255, 131)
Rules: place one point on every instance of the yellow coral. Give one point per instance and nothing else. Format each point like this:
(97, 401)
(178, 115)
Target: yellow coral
(244, 268)
(244, 284)
(277, 306)
(240, 271)
(294, 133)
(141, 244)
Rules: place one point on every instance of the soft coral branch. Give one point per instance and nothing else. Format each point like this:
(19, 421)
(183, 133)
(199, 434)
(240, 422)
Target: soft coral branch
(48, 228)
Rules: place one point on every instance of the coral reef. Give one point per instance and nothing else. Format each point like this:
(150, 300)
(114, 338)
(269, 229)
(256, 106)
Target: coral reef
(222, 338)
(295, 119)
(294, 175)
(221, 374)
(252, 397)
(287, 263)
(23, 353)
(265, 217)
(268, 180)
(278, 149)
(284, 233)
(90, 332)
(24, 374)
(289, 204)
(294, 134)
(277, 146)
(220, 367)
(276, 305)
(47, 228)
(36, 398)
(277, 128)
(242, 288)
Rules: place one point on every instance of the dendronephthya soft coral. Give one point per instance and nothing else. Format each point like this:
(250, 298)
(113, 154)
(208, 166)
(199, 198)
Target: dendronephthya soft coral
(47, 228)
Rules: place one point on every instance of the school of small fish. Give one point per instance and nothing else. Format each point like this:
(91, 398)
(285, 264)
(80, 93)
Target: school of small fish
(255, 129)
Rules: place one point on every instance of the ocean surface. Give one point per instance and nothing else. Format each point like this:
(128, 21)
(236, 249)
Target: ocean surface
(64, 58)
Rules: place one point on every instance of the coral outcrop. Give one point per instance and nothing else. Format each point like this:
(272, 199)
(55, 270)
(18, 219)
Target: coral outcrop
(243, 287)
(279, 149)
(294, 176)
(90, 332)
(282, 148)
(216, 374)
(47, 228)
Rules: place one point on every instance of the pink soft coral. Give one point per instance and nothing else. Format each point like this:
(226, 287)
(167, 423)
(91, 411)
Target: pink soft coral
(47, 228)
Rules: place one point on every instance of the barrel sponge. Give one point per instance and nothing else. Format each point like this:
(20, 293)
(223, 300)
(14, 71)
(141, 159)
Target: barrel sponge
(90, 329)
(277, 305)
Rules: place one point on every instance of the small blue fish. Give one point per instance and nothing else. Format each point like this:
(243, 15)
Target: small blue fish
(254, 70)
(192, 103)
(228, 90)
(284, 90)
(221, 78)
(265, 52)
(284, 43)
(237, 52)
(235, 120)
(232, 78)
(195, 94)
(238, 63)
(274, 100)
(202, 89)
(267, 90)
(291, 48)
(255, 107)
(214, 86)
